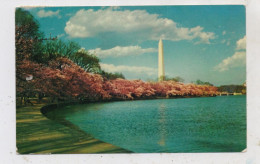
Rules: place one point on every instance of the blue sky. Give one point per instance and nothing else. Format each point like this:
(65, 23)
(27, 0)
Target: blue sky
(200, 42)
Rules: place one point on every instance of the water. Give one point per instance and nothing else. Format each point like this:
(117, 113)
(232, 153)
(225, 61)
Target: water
(209, 124)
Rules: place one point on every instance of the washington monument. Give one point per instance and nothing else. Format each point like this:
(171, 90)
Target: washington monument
(161, 74)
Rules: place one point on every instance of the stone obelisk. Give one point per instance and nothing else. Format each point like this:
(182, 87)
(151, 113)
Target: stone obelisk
(161, 74)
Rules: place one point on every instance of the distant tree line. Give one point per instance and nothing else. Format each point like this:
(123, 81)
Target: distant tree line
(199, 82)
(232, 88)
(176, 79)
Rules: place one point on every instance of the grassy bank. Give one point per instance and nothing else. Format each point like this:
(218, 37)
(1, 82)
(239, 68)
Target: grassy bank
(39, 135)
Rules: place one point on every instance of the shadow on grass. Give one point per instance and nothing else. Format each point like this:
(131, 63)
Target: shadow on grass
(44, 135)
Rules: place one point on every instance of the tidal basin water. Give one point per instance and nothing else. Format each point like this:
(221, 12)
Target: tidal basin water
(208, 124)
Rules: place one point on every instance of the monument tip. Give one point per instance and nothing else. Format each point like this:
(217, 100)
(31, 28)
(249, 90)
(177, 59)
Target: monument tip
(160, 41)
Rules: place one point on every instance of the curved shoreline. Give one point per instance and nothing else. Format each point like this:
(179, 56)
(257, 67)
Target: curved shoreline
(36, 134)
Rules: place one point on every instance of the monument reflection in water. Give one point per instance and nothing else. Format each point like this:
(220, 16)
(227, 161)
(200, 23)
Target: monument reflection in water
(161, 120)
(209, 124)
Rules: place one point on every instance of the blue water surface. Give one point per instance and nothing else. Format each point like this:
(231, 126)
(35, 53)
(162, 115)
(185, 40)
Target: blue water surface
(208, 124)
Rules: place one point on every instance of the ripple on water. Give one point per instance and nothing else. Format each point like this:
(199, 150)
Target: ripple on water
(211, 124)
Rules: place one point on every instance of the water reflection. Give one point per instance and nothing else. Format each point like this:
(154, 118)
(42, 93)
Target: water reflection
(72, 109)
(162, 128)
(59, 114)
(165, 125)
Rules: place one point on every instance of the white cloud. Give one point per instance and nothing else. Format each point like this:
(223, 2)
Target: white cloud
(241, 43)
(60, 35)
(237, 60)
(29, 8)
(223, 41)
(122, 51)
(113, 7)
(228, 43)
(69, 14)
(123, 68)
(141, 24)
(43, 13)
(224, 33)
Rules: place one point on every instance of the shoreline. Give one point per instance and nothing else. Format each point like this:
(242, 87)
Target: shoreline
(36, 134)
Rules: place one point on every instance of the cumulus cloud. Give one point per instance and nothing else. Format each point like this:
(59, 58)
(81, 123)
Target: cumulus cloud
(224, 33)
(123, 68)
(121, 51)
(138, 23)
(43, 13)
(228, 43)
(241, 43)
(237, 60)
